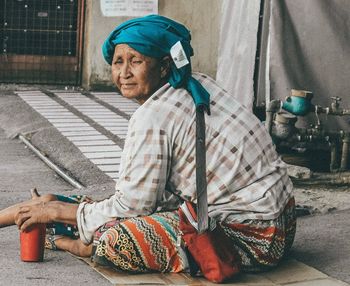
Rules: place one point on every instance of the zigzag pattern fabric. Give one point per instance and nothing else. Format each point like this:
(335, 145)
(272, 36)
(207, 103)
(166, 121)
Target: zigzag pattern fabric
(148, 244)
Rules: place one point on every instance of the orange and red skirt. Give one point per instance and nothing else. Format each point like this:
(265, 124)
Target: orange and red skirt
(150, 243)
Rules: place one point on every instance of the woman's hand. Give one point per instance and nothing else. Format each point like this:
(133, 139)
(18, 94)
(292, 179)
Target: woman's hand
(32, 214)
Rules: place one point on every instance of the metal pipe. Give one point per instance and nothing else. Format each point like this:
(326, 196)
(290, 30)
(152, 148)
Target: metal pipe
(259, 76)
(334, 151)
(273, 107)
(268, 121)
(345, 154)
(340, 112)
(61, 173)
(329, 111)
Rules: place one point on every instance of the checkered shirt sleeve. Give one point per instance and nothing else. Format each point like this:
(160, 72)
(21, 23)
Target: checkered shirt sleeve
(143, 173)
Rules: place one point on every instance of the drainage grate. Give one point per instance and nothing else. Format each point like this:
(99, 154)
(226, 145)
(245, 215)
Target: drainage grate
(40, 41)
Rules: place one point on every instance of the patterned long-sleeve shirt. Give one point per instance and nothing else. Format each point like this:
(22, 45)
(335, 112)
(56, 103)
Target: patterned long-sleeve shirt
(246, 177)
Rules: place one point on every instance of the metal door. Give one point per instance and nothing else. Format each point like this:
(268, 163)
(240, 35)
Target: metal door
(40, 41)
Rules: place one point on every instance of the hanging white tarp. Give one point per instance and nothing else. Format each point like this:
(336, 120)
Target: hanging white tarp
(237, 48)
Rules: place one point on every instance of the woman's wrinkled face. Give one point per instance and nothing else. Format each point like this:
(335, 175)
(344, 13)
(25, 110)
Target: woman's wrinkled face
(136, 76)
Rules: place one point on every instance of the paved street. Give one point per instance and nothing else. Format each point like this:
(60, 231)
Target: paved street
(21, 170)
(83, 133)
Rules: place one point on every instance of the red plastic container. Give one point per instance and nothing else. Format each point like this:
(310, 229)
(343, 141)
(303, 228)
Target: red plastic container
(33, 243)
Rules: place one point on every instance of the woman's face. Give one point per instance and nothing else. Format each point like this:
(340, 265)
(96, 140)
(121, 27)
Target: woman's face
(136, 76)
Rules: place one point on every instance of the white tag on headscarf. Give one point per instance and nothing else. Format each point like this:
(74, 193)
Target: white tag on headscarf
(178, 55)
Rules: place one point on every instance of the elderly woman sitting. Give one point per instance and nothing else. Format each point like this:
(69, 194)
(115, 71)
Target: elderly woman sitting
(248, 190)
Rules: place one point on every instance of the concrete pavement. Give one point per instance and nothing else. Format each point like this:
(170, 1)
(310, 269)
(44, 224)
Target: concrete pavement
(322, 241)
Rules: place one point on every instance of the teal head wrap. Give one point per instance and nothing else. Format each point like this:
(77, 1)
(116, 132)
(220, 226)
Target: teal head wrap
(157, 36)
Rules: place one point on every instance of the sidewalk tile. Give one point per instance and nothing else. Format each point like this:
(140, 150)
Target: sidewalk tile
(106, 161)
(66, 115)
(75, 128)
(91, 110)
(104, 116)
(89, 149)
(85, 137)
(111, 119)
(101, 113)
(65, 120)
(47, 108)
(109, 168)
(99, 155)
(80, 124)
(105, 142)
(118, 128)
(81, 133)
(113, 175)
(45, 103)
(57, 111)
(115, 124)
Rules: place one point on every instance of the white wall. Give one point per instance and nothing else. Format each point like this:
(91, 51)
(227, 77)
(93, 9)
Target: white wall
(201, 17)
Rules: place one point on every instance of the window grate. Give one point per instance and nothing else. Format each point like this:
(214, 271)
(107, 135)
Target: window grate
(39, 41)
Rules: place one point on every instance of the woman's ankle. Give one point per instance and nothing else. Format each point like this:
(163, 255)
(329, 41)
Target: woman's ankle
(74, 246)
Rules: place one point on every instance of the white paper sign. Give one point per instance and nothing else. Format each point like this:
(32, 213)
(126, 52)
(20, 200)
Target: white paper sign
(132, 8)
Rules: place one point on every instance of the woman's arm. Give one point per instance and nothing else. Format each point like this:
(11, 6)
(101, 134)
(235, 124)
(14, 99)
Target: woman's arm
(143, 176)
(46, 212)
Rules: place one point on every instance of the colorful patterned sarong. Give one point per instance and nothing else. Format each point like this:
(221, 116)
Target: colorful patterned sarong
(261, 244)
(148, 244)
(141, 244)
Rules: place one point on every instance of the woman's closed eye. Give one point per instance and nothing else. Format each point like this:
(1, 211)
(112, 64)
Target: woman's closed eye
(136, 61)
(118, 61)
